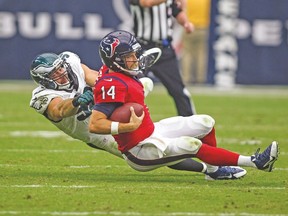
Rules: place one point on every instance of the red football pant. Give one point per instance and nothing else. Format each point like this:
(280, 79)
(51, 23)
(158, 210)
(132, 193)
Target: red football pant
(210, 139)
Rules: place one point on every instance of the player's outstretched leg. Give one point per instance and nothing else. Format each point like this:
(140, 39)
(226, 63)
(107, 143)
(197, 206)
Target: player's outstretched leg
(265, 160)
(226, 173)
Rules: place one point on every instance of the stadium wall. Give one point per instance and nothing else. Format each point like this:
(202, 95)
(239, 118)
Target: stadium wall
(248, 42)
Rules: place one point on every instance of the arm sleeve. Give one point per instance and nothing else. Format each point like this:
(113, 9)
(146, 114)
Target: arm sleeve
(134, 2)
(41, 98)
(107, 108)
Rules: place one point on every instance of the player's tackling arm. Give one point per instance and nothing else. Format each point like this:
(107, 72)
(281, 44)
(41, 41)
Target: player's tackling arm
(59, 109)
(90, 75)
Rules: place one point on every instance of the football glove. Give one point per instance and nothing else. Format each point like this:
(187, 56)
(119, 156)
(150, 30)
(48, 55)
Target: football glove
(83, 99)
(86, 111)
(147, 84)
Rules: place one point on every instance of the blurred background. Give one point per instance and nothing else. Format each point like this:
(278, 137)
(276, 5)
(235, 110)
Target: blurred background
(239, 41)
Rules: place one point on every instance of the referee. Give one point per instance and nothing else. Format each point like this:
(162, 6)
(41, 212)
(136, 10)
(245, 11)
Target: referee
(153, 21)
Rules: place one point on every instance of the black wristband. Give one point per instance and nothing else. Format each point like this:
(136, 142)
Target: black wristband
(134, 2)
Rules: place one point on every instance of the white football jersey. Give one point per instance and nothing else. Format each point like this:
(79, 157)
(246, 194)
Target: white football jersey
(78, 129)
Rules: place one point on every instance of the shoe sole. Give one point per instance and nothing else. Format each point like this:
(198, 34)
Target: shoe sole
(234, 177)
(274, 154)
(240, 174)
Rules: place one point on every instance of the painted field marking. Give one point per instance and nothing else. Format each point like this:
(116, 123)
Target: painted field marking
(121, 187)
(134, 213)
(44, 134)
(72, 167)
(75, 150)
(89, 166)
(53, 150)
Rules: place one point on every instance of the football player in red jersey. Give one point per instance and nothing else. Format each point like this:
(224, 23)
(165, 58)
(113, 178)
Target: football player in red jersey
(62, 85)
(146, 145)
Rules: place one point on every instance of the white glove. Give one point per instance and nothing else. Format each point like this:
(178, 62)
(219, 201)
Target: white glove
(148, 85)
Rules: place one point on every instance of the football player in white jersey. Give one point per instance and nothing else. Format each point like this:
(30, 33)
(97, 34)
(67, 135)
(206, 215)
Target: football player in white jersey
(64, 96)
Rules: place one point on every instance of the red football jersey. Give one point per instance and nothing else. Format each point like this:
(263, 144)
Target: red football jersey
(117, 87)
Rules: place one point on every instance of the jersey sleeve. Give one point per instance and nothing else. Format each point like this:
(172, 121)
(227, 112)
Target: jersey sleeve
(41, 99)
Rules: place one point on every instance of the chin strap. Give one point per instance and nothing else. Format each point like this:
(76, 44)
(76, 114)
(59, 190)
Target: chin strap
(129, 72)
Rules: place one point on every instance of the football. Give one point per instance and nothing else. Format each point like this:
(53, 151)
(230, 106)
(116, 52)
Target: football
(123, 113)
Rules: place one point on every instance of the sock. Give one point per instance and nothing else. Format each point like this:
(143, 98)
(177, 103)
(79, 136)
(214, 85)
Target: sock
(205, 168)
(246, 161)
(211, 169)
(210, 138)
(189, 165)
(217, 156)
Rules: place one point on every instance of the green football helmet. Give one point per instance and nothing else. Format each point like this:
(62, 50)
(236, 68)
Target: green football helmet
(44, 65)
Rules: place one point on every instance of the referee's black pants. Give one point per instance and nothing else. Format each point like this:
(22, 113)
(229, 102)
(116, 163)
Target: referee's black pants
(166, 69)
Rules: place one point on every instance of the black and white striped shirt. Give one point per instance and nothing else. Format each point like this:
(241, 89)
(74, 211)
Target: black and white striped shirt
(154, 23)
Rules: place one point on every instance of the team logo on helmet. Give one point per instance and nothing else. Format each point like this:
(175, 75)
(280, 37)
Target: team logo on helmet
(109, 46)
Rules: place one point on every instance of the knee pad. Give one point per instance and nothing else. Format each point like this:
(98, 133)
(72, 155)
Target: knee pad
(190, 145)
(203, 124)
(204, 120)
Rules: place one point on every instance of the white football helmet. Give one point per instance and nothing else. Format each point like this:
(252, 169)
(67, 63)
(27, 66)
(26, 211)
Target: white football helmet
(43, 67)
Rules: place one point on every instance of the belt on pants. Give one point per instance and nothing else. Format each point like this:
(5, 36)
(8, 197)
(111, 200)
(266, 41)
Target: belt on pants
(160, 44)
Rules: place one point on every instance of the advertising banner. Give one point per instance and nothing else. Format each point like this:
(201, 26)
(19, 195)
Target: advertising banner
(31, 27)
(248, 42)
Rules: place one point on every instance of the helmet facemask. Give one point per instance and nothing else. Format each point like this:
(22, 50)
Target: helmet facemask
(60, 76)
(129, 62)
(144, 60)
(53, 72)
(149, 57)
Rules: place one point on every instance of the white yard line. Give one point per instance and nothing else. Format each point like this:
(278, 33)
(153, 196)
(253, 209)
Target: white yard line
(94, 166)
(73, 151)
(44, 134)
(121, 187)
(57, 134)
(246, 90)
(52, 150)
(133, 213)
(72, 167)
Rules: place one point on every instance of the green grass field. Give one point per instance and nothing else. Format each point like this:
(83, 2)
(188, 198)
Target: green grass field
(44, 172)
